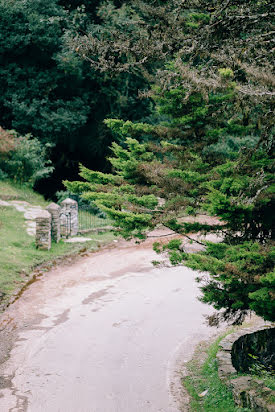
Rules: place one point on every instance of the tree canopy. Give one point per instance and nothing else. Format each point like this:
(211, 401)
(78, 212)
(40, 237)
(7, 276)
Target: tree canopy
(50, 92)
(206, 148)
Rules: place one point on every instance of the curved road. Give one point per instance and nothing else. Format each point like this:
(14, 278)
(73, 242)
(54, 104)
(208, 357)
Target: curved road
(108, 333)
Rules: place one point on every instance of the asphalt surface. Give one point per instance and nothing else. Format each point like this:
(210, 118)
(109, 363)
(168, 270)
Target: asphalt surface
(108, 333)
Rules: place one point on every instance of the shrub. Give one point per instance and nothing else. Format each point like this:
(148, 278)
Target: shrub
(24, 159)
(7, 141)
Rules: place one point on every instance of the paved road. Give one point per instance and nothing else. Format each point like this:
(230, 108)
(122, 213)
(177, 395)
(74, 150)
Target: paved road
(109, 333)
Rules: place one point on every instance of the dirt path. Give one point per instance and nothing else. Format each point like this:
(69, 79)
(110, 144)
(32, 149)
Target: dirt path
(110, 333)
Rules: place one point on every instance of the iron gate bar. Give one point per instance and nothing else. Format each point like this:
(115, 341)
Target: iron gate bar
(65, 224)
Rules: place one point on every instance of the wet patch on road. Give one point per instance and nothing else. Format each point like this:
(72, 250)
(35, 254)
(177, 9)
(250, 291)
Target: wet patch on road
(95, 295)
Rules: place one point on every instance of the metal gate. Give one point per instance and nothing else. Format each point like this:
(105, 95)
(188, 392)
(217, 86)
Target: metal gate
(87, 219)
(65, 224)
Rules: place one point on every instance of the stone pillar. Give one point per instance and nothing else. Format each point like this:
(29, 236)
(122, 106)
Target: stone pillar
(69, 216)
(54, 210)
(43, 230)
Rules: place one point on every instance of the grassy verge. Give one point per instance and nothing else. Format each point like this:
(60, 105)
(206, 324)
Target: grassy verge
(13, 191)
(203, 376)
(18, 255)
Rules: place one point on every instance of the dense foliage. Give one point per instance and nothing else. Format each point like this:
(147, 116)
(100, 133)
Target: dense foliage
(187, 88)
(23, 159)
(207, 148)
(48, 91)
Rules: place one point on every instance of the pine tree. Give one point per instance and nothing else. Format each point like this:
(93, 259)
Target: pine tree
(207, 148)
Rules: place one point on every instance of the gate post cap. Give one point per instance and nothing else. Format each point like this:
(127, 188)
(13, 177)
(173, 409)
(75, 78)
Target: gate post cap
(68, 201)
(44, 214)
(53, 206)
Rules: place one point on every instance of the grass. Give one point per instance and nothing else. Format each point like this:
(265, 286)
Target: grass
(202, 377)
(269, 381)
(13, 191)
(18, 255)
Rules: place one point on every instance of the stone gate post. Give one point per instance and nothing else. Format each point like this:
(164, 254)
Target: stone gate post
(43, 230)
(69, 207)
(54, 210)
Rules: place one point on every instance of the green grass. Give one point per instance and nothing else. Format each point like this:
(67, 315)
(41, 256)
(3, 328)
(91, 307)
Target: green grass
(205, 377)
(269, 381)
(13, 191)
(18, 254)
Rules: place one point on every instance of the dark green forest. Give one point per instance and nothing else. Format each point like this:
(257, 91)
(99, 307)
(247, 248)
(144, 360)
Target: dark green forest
(50, 92)
(167, 107)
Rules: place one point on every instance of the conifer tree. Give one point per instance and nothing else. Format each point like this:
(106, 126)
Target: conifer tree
(207, 148)
(157, 183)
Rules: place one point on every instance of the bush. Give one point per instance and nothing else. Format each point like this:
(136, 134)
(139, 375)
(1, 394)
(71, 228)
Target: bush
(7, 141)
(3, 175)
(26, 161)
